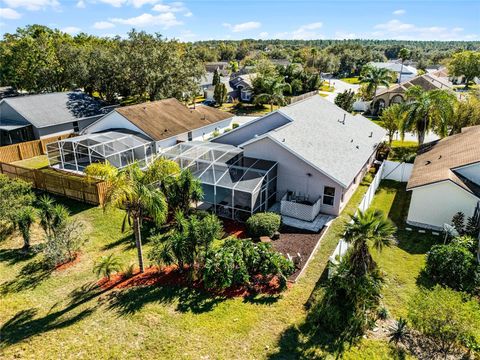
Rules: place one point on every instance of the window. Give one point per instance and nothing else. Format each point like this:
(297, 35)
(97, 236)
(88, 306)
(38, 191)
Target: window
(190, 136)
(328, 195)
(75, 126)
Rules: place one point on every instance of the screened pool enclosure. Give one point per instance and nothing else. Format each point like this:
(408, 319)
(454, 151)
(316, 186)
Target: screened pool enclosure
(119, 148)
(234, 186)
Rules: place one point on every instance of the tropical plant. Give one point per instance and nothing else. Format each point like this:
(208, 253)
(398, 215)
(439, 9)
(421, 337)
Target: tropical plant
(182, 190)
(52, 216)
(263, 224)
(63, 245)
(392, 118)
(446, 317)
(373, 77)
(274, 89)
(370, 226)
(107, 265)
(458, 222)
(137, 193)
(403, 55)
(383, 313)
(399, 331)
(427, 110)
(24, 220)
(466, 113)
(345, 100)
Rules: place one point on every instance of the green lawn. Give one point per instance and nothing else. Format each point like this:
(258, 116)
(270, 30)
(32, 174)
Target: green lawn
(351, 80)
(247, 109)
(402, 150)
(64, 315)
(36, 162)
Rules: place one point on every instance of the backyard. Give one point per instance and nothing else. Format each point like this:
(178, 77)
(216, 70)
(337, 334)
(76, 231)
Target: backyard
(63, 313)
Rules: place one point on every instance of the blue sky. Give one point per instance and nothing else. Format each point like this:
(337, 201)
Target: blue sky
(229, 19)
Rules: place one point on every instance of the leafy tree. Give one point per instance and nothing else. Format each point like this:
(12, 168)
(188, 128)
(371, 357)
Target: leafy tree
(136, 192)
(465, 63)
(427, 110)
(466, 113)
(273, 94)
(458, 222)
(220, 93)
(403, 54)
(345, 100)
(24, 221)
(107, 265)
(447, 317)
(370, 226)
(392, 119)
(216, 78)
(373, 77)
(16, 194)
(233, 65)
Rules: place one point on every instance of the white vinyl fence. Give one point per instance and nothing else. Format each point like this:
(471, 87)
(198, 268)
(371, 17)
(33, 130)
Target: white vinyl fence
(389, 170)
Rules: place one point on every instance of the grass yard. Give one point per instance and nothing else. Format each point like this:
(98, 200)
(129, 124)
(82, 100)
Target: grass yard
(63, 314)
(247, 109)
(352, 80)
(402, 150)
(36, 162)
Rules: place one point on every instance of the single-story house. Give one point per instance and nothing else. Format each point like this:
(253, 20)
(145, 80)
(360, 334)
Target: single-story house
(403, 73)
(30, 117)
(445, 180)
(221, 66)
(322, 152)
(208, 89)
(396, 93)
(136, 132)
(243, 86)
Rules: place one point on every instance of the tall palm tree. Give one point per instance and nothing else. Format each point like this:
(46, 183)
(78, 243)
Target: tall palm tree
(374, 77)
(273, 94)
(428, 110)
(367, 227)
(403, 54)
(137, 192)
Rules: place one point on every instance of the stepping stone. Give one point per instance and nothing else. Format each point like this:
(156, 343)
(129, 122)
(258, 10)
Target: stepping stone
(408, 229)
(422, 231)
(435, 233)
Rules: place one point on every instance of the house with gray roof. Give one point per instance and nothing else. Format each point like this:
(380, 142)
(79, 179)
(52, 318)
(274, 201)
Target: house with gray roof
(322, 151)
(30, 117)
(403, 73)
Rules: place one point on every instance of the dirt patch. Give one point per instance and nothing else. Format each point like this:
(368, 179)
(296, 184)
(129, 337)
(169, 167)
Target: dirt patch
(68, 264)
(171, 276)
(298, 245)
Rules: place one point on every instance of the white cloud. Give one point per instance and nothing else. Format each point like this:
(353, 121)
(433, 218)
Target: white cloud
(187, 35)
(188, 14)
(304, 32)
(246, 26)
(6, 13)
(72, 30)
(32, 5)
(114, 3)
(80, 4)
(342, 35)
(165, 20)
(399, 12)
(140, 3)
(101, 25)
(263, 35)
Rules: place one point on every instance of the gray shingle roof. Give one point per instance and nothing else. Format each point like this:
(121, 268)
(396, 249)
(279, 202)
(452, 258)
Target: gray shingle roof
(45, 110)
(319, 135)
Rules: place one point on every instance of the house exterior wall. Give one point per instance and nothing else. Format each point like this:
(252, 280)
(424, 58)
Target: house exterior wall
(471, 172)
(292, 174)
(433, 205)
(61, 129)
(255, 127)
(9, 113)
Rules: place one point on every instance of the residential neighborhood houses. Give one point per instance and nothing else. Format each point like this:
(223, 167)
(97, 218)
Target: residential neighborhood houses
(238, 199)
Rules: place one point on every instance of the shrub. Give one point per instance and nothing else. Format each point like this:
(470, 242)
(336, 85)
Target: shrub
(15, 195)
(63, 245)
(263, 224)
(24, 219)
(452, 265)
(226, 130)
(399, 331)
(235, 125)
(107, 265)
(446, 317)
(129, 271)
(458, 222)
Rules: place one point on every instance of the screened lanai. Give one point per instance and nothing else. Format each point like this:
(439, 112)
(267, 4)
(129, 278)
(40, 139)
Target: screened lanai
(119, 148)
(234, 186)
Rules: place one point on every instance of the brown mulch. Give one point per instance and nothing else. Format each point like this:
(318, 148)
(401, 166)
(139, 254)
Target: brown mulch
(234, 228)
(171, 276)
(294, 242)
(68, 264)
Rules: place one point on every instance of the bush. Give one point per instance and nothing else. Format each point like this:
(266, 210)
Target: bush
(452, 265)
(263, 224)
(107, 265)
(63, 245)
(235, 125)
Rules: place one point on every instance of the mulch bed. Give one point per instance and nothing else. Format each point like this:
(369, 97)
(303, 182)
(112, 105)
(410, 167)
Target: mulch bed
(293, 242)
(68, 264)
(234, 228)
(171, 276)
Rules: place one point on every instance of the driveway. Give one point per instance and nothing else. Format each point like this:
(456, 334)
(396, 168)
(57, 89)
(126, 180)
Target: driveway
(340, 86)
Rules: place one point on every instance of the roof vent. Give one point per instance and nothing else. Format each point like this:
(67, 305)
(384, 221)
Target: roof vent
(428, 162)
(351, 140)
(439, 157)
(358, 147)
(371, 134)
(283, 140)
(165, 130)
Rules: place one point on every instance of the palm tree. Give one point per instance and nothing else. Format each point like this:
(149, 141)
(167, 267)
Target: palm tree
(107, 265)
(273, 94)
(136, 192)
(370, 226)
(426, 110)
(392, 119)
(314, 54)
(403, 54)
(182, 190)
(52, 216)
(24, 220)
(374, 77)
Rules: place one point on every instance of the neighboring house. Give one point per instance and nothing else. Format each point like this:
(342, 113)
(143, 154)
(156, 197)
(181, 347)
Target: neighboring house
(396, 93)
(322, 151)
(404, 73)
(445, 180)
(221, 66)
(242, 84)
(30, 117)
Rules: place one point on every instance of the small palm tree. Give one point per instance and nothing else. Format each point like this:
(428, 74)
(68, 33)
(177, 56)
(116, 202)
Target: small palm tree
(24, 220)
(182, 190)
(370, 226)
(399, 331)
(374, 77)
(273, 94)
(403, 54)
(136, 192)
(107, 265)
(428, 110)
(52, 216)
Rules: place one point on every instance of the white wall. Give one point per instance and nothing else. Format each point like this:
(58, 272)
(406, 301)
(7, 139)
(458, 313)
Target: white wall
(471, 172)
(112, 120)
(435, 204)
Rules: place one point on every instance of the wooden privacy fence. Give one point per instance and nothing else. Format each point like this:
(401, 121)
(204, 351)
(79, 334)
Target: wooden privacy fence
(58, 182)
(28, 149)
